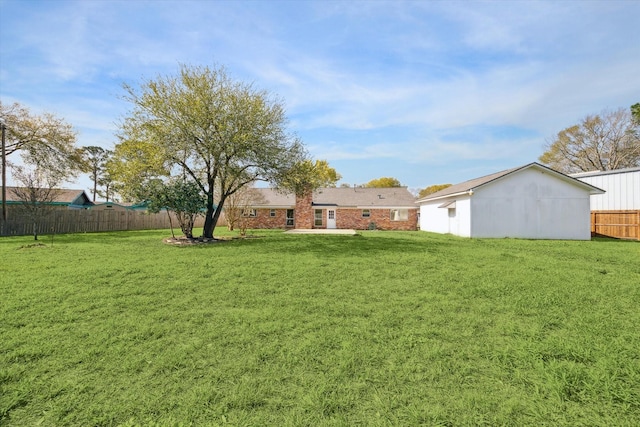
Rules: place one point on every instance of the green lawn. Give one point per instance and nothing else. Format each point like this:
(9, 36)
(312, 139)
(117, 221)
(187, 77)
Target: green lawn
(380, 329)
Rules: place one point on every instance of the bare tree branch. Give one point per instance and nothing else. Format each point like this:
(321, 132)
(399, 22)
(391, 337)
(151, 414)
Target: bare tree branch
(602, 142)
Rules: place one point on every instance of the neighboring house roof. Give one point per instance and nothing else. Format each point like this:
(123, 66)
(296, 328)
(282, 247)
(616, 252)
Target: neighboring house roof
(121, 205)
(361, 197)
(467, 187)
(63, 196)
(599, 173)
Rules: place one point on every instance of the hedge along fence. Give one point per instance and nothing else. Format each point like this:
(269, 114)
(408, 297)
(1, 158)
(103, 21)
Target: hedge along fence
(619, 224)
(84, 221)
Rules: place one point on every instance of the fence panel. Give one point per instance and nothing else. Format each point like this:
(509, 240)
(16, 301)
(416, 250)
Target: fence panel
(619, 224)
(63, 221)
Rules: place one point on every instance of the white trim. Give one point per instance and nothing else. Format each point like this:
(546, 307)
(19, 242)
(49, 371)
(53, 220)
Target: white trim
(599, 173)
(461, 193)
(448, 205)
(331, 222)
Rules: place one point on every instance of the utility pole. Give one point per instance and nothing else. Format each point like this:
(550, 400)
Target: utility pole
(4, 172)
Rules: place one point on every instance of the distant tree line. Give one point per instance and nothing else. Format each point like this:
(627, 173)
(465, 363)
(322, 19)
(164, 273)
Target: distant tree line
(199, 140)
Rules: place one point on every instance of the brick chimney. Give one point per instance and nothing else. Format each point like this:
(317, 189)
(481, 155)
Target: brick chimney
(303, 214)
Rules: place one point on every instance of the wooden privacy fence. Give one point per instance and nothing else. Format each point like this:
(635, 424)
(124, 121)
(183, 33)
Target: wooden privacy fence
(83, 221)
(619, 224)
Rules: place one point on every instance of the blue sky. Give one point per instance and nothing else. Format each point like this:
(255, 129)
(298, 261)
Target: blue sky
(428, 92)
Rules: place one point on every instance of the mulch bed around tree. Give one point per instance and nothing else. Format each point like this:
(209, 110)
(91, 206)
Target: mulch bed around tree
(184, 241)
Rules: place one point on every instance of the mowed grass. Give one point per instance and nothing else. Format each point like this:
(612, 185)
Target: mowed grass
(380, 329)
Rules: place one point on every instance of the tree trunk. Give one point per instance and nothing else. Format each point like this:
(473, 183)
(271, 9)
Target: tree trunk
(216, 214)
(186, 224)
(209, 225)
(171, 224)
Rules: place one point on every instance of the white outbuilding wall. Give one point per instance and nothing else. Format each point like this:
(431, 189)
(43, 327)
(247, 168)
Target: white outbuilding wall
(622, 189)
(532, 204)
(447, 220)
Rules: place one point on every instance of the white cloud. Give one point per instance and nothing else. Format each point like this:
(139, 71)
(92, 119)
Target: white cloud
(409, 81)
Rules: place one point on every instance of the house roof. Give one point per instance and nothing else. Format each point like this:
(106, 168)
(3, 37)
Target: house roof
(600, 173)
(472, 184)
(341, 196)
(124, 205)
(364, 196)
(63, 196)
(270, 197)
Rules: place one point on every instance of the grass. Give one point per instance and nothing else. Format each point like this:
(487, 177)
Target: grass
(380, 329)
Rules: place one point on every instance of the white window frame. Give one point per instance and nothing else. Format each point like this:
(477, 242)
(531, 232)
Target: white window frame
(397, 215)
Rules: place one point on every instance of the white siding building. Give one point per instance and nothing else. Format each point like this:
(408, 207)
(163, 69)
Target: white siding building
(622, 188)
(532, 201)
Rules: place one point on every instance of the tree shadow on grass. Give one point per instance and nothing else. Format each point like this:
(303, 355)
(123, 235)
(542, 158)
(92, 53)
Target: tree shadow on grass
(609, 239)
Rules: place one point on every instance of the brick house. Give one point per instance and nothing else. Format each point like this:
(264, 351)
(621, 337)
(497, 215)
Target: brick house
(342, 208)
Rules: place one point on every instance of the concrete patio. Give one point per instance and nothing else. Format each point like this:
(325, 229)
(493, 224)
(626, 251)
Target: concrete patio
(347, 232)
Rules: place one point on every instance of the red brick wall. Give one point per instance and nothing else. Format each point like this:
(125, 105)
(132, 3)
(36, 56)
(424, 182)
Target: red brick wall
(352, 218)
(263, 219)
(345, 218)
(304, 211)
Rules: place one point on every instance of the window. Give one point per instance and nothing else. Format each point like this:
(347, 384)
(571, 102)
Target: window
(289, 217)
(249, 213)
(366, 213)
(272, 213)
(317, 218)
(399, 214)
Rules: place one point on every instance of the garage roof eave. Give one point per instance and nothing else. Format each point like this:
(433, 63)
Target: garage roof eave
(446, 196)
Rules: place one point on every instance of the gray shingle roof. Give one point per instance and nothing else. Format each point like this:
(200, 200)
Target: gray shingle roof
(483, 180)
(468, 185)
(361, 196)
(269, 197)
(341, 196)
(62, 195)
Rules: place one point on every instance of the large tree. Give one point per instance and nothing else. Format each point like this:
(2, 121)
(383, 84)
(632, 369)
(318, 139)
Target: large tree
(133, 164)
(432, 189)
(384, 182)
(221, 133)
(606, 141)
(635, 115)
(44, 141)
(307, 176)
(94, 163)
(105, 187)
